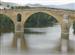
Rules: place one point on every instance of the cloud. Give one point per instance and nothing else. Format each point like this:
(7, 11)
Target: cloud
(40, 1)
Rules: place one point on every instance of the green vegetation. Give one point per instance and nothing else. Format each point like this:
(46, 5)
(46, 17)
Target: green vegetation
(6, 25)
(40, 20)
(0, 4)
(20, 7)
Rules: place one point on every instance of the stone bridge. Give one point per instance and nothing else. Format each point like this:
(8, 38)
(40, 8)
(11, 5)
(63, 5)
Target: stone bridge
(64, 18)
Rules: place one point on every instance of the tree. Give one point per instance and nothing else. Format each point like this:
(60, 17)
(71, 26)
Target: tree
(12, 7)
(8, 5)
(26, 7)
(0, 4)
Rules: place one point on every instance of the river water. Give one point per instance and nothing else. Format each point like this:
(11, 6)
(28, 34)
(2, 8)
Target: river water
(45, 42)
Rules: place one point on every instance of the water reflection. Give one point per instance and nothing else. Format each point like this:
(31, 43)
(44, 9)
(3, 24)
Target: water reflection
(40, 43)
(44, 41)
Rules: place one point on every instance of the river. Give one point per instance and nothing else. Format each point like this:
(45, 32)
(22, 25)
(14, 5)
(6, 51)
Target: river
(45, 42)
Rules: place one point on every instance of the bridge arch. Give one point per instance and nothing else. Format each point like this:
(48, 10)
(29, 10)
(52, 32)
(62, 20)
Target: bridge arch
(8, 21)
(10, 13)
(40, 13)
(57, 17)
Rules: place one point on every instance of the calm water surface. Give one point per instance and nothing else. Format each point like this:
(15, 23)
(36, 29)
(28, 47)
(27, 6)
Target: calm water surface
(39, 44)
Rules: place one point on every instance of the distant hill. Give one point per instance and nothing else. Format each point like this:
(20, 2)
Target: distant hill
(70, 6)
(34, 5)
(5, 4)
(9, 3)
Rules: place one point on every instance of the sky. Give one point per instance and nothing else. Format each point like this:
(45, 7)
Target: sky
(44, 2)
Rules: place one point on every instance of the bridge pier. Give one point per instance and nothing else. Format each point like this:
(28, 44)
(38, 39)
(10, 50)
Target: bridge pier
(14, 42)
(65, 47)
(74, 27)
(23, 42)
(65, 42)
(19, 34)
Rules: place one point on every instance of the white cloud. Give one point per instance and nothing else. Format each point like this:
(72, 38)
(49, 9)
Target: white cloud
(40, 1)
